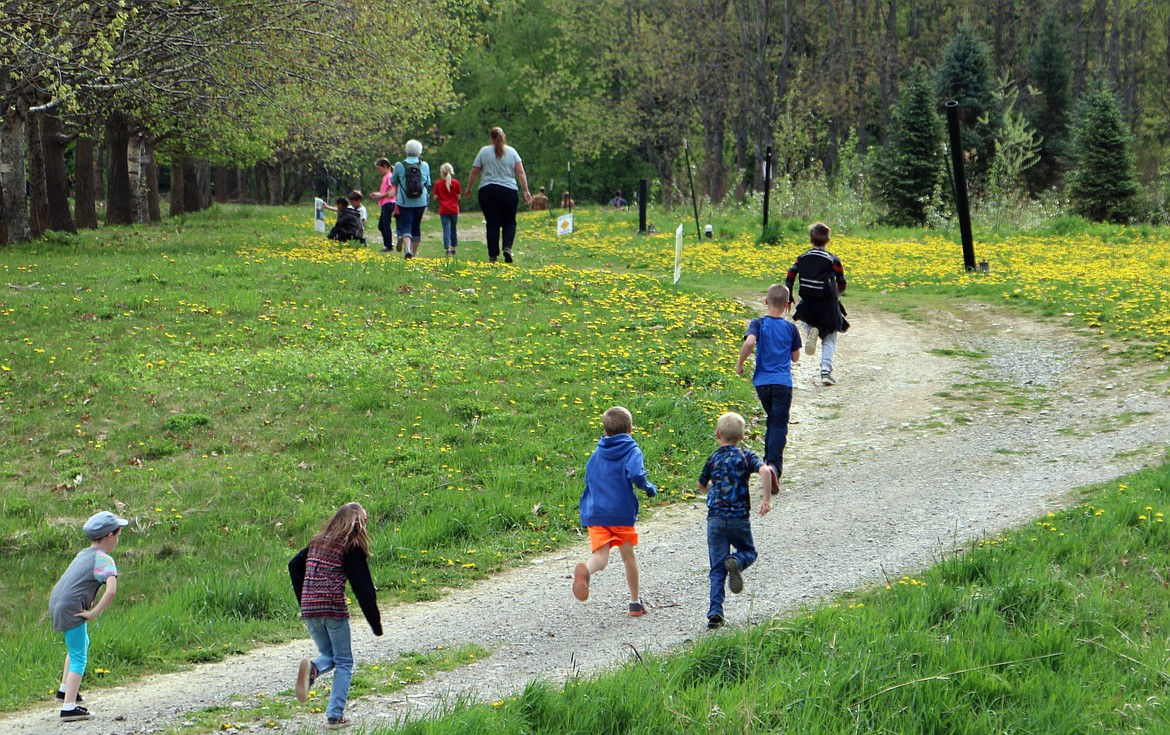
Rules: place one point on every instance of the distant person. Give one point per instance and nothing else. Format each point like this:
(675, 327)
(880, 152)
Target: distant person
(609, 507)
(447, 192)
(618, 201)
(338, 552)
(729, 509)
(386, 197)
(412, 176)
(355, 200)
(540, 201)
(499, 192)
(349, 222)
(822, 281)
(71, 604)
(566, 201)
(776, 342)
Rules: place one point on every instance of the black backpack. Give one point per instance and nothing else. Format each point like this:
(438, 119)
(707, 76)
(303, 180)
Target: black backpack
(414, 180)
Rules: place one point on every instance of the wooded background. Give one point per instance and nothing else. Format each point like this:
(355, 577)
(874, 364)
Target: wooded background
(109, 106)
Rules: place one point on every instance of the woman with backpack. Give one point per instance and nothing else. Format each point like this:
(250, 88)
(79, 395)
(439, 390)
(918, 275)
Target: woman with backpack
(412, 176)
(499, 191)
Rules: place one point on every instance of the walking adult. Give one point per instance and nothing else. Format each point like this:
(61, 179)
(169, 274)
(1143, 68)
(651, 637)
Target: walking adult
(412, 176)
(499, 191)
(385, 197)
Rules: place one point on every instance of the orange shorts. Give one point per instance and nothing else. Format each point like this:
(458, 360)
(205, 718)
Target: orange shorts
(602, 536)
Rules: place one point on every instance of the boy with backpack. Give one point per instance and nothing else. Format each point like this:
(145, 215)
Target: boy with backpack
(822, 281)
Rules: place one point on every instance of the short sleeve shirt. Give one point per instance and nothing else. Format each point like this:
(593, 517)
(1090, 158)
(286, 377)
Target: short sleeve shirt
(776, 340)
(499, 171)
(726, 477)
(78, 587)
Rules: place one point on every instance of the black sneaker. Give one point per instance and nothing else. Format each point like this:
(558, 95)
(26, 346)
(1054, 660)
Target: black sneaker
(61, 696)
(507, 256)
(387, 250)
(336, 723)
(714, 621)
(734, 575)
(75, 714)
(637, 609)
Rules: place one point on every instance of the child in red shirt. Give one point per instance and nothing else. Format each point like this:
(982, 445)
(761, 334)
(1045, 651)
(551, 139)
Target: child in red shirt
(446, 191)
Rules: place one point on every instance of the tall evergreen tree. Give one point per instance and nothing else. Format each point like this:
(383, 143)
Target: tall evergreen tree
(965, 75)
(909, 166)
(1104, 185)
(1049, 73)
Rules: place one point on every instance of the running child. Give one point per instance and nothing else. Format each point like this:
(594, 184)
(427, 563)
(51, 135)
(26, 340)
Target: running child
(729, 508)
(319, 571)
(822, 281)
(71, 604)
(609, 507)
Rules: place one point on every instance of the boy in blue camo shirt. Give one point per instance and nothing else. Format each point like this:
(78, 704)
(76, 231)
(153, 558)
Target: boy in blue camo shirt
(729, 507)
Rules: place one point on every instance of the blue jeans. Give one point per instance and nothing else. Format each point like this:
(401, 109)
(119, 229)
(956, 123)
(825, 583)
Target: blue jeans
(777, 403)
(332, 638)
(450, 230)
(410, 222)
(722, 534)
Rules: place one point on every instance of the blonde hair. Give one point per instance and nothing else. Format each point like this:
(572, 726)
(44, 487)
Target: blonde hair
(346, 529)
(617, 420)
(730, 427)
(498, 140)
(447, 171)
(818, 234)
(778, 295)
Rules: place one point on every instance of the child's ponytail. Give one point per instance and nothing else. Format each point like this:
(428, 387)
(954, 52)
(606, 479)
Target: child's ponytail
(447, 171)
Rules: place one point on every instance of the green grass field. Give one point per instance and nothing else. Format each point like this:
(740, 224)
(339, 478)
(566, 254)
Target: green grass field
(226, 380)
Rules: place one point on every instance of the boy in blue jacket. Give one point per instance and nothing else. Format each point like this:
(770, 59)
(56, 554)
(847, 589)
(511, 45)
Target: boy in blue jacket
(609, 507)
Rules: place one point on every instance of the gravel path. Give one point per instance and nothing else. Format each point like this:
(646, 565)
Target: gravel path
(884, 474)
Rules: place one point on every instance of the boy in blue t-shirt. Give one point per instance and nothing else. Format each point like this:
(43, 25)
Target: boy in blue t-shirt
(777, 344)
(729, 509)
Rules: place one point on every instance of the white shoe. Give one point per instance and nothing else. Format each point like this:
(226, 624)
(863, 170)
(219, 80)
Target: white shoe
(810, 345)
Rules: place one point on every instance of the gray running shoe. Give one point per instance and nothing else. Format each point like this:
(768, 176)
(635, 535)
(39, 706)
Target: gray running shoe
(827, 379)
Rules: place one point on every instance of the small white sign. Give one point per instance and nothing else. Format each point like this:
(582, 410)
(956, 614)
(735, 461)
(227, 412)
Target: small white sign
(565, 224)
(678, 240)
(319, 214)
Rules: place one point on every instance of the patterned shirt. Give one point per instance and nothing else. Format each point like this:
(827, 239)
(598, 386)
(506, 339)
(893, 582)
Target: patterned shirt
(78, 587)
(323, 595)
(726, 477)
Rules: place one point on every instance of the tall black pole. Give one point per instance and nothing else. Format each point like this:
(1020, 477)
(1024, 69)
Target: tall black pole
(694, 201)
(643, 188)
(961, 203)
(767, 183)
(569, 185)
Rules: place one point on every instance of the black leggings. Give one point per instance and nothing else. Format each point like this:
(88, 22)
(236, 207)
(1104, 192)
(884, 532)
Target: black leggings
(499, 209)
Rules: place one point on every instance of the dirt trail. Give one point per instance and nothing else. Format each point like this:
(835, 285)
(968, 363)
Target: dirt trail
(882, 474)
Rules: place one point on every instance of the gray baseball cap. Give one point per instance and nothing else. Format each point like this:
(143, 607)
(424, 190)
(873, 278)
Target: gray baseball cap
(102, 524)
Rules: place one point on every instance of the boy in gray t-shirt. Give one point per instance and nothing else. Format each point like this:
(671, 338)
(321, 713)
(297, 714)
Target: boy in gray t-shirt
(71, 604)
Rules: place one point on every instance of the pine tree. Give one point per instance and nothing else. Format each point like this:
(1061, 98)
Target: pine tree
(1049, 72)
(1104, 185)
(909, 166)
(965, 76)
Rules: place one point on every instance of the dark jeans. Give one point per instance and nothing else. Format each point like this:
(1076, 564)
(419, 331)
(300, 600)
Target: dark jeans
(410, 222)
(386, 225)
(722, 534)
(777, 403)
(499, 209)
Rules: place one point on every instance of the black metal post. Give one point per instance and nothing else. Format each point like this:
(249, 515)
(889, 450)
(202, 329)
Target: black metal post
(694, 201)
(643, 188)
(569, 184)
(961, 204)
(767, 183)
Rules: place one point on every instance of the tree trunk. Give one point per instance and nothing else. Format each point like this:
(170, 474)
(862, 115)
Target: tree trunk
(153, 204)
(56, 180)
(275, 183)
(178, 195)
(84, 184)
(12, 178)
(190, 185)
(119, 204)
(236, 190)
(220, 176)
(38, 218)
(134, 177)
(204, 187)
